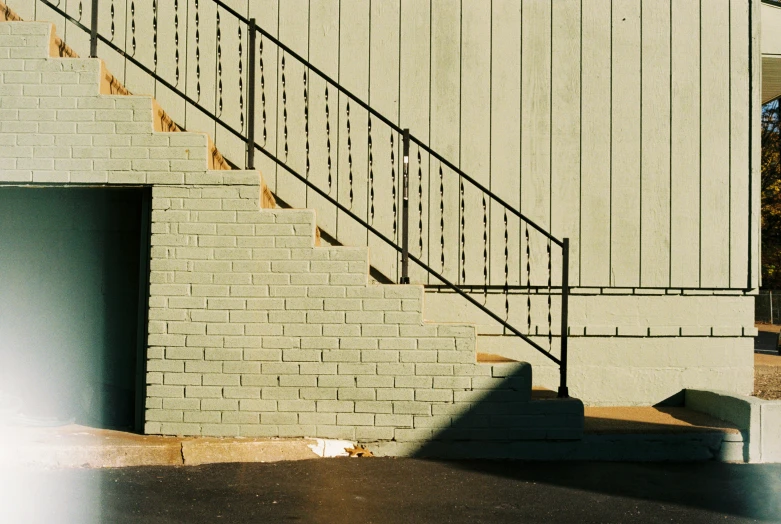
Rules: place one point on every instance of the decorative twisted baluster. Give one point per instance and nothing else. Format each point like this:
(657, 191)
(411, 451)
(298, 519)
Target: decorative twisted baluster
(133, 26)
(113, 28)
(462, 227)
(262, 91)
(441, 219)
(306, 123)
(81, 10)
(485, 250)
(197, 53)
(176, 42)
(550, 273)
(284, 105)
(371, 172)
(219, 64)
(349, 155)
(528, 283)
(328, 138)
(420, 205)
(393, 185)
(241, 81)
(154, 33)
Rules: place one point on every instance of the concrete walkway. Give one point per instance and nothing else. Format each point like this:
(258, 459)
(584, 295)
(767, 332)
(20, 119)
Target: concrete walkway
(626, 433)
(76, 446)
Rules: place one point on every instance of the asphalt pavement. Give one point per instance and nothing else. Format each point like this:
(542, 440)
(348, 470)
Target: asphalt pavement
(375, 490)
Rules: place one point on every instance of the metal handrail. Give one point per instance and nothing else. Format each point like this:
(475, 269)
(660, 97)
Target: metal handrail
(407, 138)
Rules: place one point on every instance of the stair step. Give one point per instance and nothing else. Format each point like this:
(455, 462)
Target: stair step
(539, 393)
(490, 358)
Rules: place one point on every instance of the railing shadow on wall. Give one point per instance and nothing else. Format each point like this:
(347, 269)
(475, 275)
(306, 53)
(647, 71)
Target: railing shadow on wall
(372, 182)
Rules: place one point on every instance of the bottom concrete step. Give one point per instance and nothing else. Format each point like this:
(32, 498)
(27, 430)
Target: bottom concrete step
(612, 434)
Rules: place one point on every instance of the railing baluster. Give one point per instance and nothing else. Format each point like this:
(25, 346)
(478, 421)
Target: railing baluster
(550, 274)
(133, 26)
(393, 187)
(113, 25)
(506, 270)
(154, 33)
(442, 218)
(306, 123)
(462, 228)
(405, 212)
(284, 106)
(262, 88)
(420, 206)
(218, 85)
(349, 156)
(93, 38)
(176, 41)
(197, 53)
(241, 82)
(528, 283)
(485, 250)
(563, 391)
(371, 171)
(328, 138)
(251, 96)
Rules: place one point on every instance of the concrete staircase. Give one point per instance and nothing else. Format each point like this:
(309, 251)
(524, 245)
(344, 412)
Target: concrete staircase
(253, 329)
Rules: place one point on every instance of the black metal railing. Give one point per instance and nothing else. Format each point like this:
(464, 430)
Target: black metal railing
(491, 248)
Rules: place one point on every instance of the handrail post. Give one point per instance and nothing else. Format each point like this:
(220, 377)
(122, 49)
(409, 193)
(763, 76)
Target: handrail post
(563, 390)
(405, 213)
(93, 34)
(251, 97)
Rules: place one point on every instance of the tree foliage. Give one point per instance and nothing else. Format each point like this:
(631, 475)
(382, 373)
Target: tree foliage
(771, 195)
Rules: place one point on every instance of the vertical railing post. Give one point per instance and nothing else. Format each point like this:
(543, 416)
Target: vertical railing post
(405, 213)
(251, 97)
(563, 391)
(93, 34)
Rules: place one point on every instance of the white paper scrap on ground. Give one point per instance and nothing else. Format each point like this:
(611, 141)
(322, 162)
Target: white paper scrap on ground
(331, 448)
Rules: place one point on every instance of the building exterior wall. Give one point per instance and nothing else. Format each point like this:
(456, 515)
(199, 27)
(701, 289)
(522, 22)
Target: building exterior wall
(624, 125)
(626, 348)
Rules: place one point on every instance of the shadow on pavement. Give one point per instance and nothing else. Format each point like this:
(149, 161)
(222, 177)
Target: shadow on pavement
(399, 490)
(741, 490)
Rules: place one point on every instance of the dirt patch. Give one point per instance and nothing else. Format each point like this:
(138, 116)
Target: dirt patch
(767, 376)
(767, 363)
(767, 386)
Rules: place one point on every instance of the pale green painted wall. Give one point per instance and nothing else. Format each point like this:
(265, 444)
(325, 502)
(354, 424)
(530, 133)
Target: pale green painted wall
(623, 124)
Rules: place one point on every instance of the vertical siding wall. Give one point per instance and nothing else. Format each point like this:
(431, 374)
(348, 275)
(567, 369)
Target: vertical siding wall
(622, 124)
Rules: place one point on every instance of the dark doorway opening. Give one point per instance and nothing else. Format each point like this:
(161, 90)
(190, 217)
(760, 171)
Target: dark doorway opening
(73, 301)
